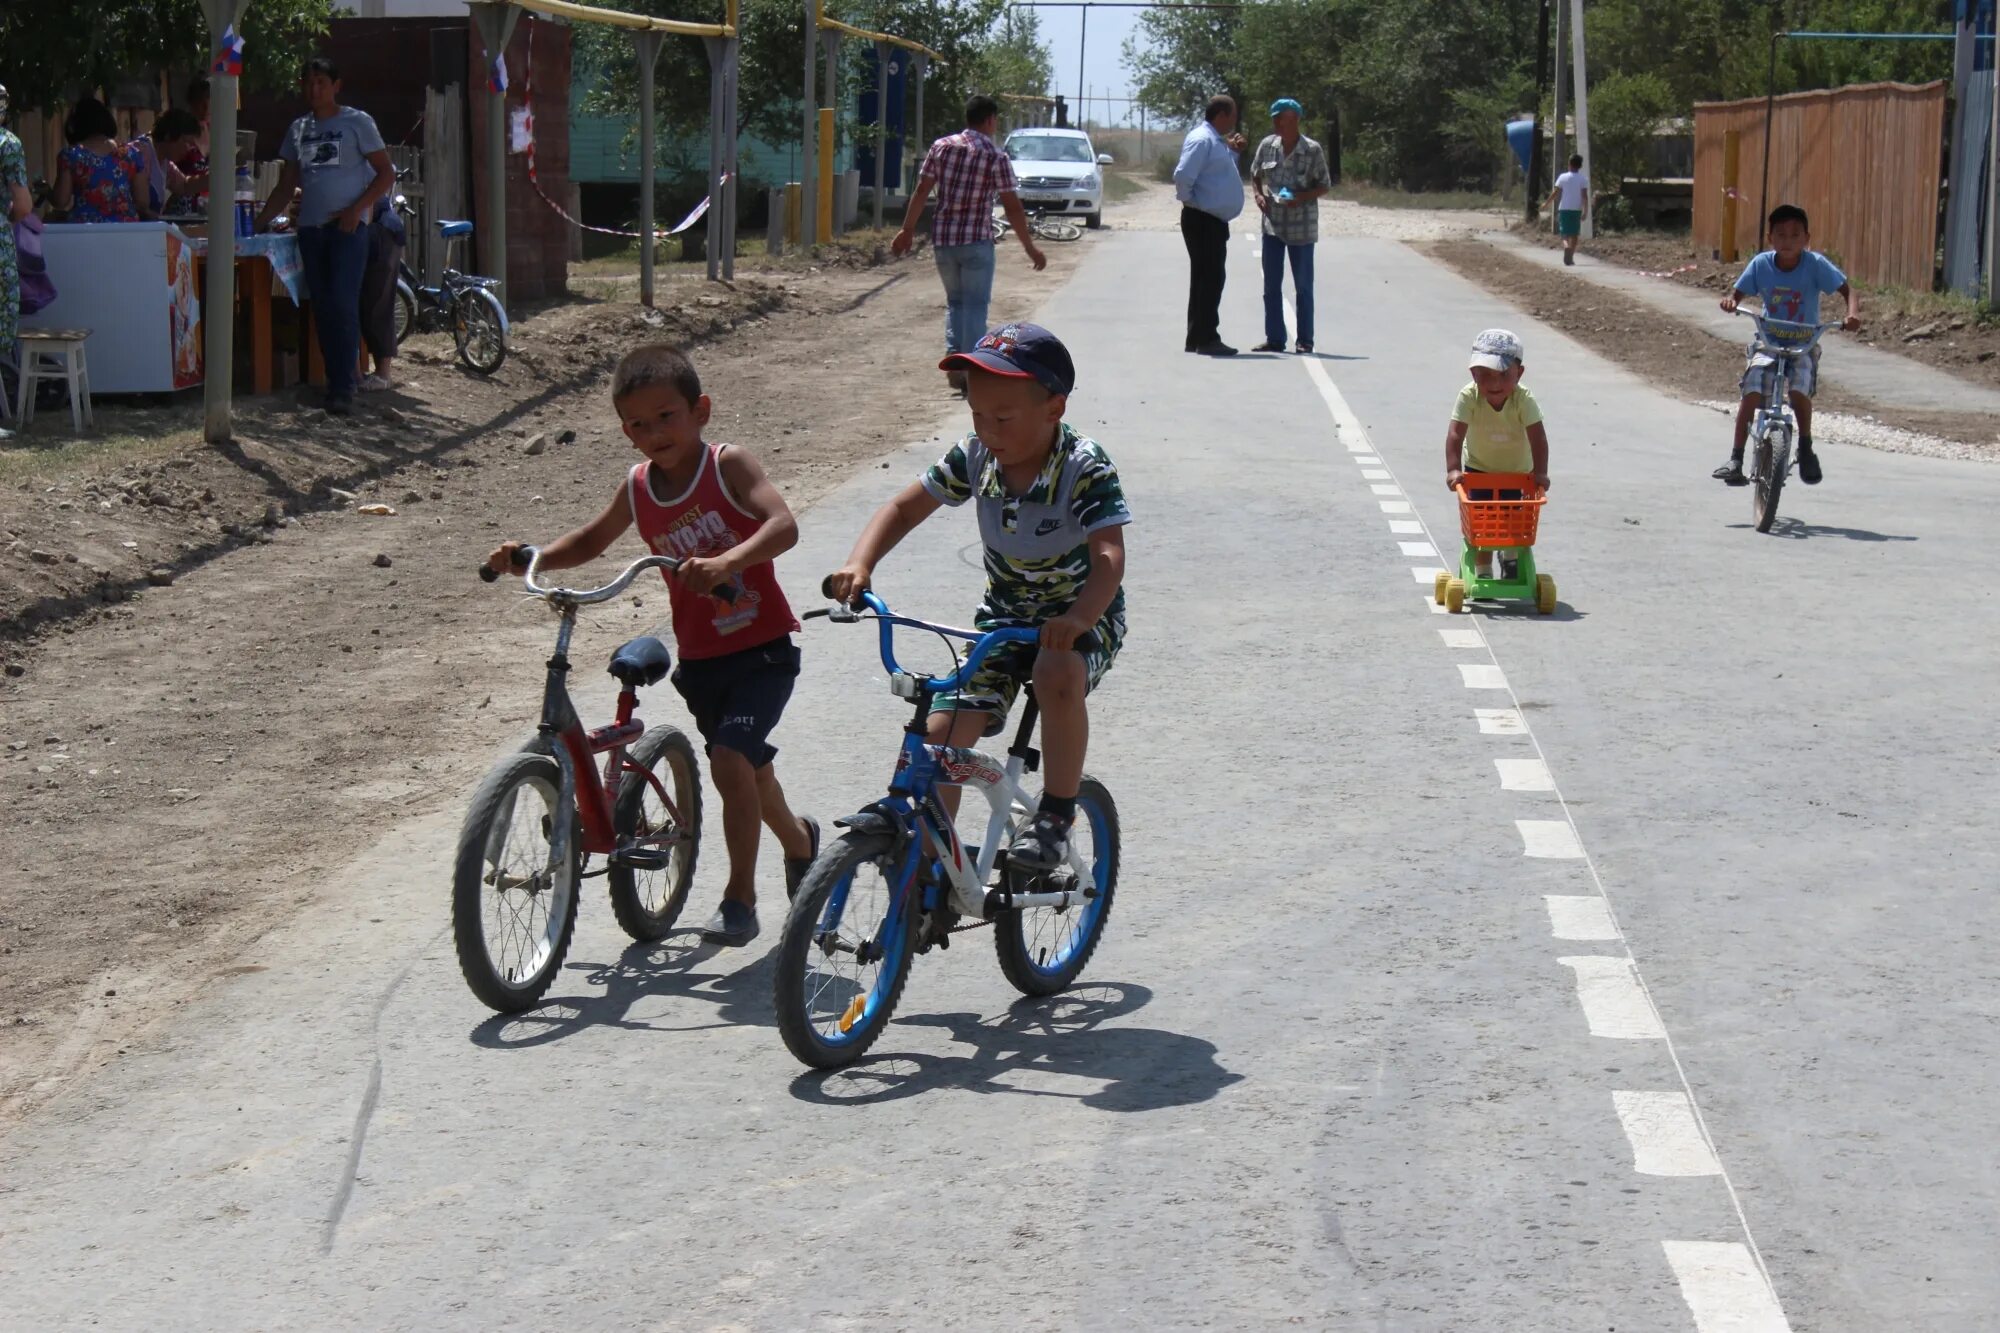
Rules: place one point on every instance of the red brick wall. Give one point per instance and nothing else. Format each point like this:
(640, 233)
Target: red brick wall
(537, 236)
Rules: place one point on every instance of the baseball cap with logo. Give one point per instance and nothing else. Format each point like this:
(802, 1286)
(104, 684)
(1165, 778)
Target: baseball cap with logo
(1496, 349)
(1022, 352)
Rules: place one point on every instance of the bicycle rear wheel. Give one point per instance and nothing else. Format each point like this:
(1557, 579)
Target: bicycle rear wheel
(513, 893)
(1043, 949)
(845, 953)
(648, 902)
(406, 311)
(1774, 461)
(480, 326)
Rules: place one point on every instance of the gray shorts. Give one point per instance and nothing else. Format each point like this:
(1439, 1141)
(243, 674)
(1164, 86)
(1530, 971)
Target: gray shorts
(1805, 372)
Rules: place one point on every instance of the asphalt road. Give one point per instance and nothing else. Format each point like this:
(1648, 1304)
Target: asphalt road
(1385, 1034)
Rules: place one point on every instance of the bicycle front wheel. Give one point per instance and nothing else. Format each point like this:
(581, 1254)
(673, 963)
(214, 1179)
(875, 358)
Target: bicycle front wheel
(1043, 949)
(480, 326)
(513, 893)
(845, 954)
(1774, 460)
(648, 902)
(1057, 229)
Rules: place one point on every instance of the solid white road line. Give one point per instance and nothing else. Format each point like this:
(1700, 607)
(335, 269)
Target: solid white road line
(1724, 1287)
(1613, 1001)
(1524, 775)
(1419, 550)
(1462, 638)
(1481, 676)
(1500, 722)
(1549, 839)
(1666, 1141)
(1395, 506)
(1580, 917)
(1405, 526)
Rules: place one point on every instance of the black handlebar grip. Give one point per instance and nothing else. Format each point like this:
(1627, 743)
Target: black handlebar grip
(488, 574)
(826, 587)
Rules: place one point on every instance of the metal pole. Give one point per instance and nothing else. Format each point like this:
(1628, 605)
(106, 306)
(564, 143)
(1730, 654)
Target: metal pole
(1732, 158)
(809, 131)
(1561, 158)
(1582, 104)
(717, 78)
(823, 206)
(647, 46)
(920, 68)
(1537, 178)
(219, 301)
(829, 43)
(733, 61)
(881, 123)
(496, 28)
(1770, 106)
(1082, 46)
(1993, 191)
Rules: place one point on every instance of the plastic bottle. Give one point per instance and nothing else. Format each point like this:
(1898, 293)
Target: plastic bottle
(246, 201)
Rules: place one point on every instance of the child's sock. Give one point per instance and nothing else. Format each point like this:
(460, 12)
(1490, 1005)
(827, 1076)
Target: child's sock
(1805, 440)
(1062, 807)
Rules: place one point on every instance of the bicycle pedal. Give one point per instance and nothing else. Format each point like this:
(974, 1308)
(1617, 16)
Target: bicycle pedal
(642, 858)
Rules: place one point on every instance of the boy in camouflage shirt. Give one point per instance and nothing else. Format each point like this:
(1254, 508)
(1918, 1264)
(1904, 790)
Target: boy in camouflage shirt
(1053, 520)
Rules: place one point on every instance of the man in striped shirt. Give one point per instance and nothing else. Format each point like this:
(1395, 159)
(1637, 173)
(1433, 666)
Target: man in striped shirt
(967, 170)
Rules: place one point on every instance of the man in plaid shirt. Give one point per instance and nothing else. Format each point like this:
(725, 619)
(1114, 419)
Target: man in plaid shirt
(967, 169)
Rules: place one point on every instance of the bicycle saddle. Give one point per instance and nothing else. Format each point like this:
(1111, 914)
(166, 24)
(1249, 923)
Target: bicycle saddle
(449, 229)
(644, 661)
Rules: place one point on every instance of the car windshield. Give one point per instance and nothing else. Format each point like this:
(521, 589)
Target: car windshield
(1048, 148)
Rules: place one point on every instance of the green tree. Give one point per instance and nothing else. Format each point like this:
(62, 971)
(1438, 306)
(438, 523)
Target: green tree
(1626, 111)
(1015, 59)
(1179, 58)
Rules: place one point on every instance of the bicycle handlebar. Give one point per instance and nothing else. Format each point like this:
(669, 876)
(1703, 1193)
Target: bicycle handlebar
(1765, 322)
(983, 642)
(529, 558)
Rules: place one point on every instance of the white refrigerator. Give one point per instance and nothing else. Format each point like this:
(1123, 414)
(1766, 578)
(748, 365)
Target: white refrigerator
(132, 285)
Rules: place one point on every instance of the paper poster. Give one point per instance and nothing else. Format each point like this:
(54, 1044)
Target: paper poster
(183, 312)
(519, 135)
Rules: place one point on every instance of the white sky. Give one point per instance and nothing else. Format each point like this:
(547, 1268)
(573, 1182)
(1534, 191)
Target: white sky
(1103, 69)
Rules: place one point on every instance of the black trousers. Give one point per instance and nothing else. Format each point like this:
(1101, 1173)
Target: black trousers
(378, 292)
(1207, 239)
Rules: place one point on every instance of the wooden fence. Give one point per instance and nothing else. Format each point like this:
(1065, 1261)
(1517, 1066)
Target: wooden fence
(1863, 161)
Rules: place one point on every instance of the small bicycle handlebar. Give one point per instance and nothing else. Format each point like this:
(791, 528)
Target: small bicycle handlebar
(529, 559)
(1766, 322)
(983, 642)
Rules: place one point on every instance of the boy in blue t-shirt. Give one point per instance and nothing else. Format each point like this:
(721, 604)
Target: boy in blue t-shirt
(1789, 280)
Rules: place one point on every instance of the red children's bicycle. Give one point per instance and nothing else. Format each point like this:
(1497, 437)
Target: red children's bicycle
(541, 814)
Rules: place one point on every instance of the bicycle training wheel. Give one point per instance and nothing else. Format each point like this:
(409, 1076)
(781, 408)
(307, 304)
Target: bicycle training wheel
(1042, 949)
(845, 954)
(513, 896)
(1057, 229)
(406, 312)
(647, 902)
(1774, 460)
(480, 326)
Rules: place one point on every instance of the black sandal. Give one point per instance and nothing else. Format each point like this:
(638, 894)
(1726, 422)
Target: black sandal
(1731, 472)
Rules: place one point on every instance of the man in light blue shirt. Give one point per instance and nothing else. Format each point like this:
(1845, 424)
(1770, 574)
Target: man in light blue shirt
(1209, 184)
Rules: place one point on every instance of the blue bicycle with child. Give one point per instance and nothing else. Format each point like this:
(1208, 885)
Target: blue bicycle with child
(900, 881)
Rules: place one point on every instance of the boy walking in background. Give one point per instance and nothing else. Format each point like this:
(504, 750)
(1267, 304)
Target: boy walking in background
(1571, 200)
(712, 506)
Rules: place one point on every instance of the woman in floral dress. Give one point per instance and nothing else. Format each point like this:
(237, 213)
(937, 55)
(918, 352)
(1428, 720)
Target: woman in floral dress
(100, 179)
(15, 204)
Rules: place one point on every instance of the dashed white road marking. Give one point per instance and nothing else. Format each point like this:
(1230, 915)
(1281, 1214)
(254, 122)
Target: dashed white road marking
(1548, 839)
(1395, 506)
(1386, 488)
(1666, 1140)
(1405, 526)
(1580, 917)
(1524, 775)
(1614, 1003)
(1360, 447)
(1367, 460)
(1462, 638)
(1425, 574)
(1432, 605)
(1482, 676)
(1419, 550)
(1374, 474)
(1500, 722)
(1724, 1287)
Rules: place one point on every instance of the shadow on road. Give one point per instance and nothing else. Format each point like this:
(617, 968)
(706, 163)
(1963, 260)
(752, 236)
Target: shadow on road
(1041, 1048)
(669, 968)
(1798, 531)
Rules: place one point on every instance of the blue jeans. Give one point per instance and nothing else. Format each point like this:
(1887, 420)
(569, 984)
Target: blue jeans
(967, 271)
(1275, 251)
(334, 262)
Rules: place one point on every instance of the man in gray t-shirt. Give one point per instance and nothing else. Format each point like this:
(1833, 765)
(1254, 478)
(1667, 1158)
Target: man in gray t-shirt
(335, 157)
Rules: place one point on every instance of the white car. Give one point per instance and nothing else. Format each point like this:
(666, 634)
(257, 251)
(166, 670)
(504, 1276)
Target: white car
(1058, 172)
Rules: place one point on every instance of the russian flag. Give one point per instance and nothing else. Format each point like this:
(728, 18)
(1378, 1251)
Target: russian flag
(229, 58)
(496, 78)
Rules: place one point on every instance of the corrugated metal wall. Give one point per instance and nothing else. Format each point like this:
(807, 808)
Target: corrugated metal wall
(1864, 162)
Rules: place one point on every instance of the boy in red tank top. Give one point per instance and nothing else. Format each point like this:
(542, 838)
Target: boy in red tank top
(712, 506)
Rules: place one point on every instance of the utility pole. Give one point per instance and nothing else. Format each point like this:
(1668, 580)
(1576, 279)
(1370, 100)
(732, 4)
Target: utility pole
(1561, 158)
(1582, 105)
(1537, 168)
(1993, 192)
(809, 132)
(1082, 46)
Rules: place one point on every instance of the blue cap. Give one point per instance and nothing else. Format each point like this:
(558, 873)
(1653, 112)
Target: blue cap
(1286, 104)
(1020, 351)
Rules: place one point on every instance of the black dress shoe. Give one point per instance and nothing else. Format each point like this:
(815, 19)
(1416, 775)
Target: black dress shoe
(1268, 346)
(1216, 348)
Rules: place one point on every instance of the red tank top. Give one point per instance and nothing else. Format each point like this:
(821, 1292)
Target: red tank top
(705, 520)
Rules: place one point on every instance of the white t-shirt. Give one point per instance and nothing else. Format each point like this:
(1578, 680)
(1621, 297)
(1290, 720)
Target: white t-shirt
(1572, 186)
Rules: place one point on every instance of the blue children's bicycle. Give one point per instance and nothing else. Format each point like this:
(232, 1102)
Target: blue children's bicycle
(899, 880)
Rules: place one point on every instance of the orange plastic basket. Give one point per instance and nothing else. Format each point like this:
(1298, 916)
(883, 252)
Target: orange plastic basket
(1487, 520)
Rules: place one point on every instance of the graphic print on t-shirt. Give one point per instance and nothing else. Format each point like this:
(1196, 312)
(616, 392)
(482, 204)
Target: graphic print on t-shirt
(319, 151)
(702, 532)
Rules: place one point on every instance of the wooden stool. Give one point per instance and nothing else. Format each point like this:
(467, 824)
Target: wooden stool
(46, 354)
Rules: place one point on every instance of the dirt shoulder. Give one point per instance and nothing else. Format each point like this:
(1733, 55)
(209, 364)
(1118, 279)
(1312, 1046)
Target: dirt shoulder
(1939, 331)
(1679, 358)
(181, 764)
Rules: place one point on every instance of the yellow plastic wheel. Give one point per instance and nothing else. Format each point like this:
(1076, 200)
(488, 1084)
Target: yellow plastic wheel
(1545, 594)
(1437, 587)
(1454, 596)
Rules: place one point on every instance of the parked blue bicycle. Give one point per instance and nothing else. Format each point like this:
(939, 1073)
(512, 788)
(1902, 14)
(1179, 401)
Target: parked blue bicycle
(900, 882)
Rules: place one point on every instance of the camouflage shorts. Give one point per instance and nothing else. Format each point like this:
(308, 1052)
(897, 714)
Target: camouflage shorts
(1009, 666)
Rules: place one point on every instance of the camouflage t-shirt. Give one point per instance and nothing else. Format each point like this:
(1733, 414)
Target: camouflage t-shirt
(1037, 547)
